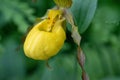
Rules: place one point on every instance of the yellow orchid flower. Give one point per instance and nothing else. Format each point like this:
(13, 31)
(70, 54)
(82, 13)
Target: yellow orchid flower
(47, 37)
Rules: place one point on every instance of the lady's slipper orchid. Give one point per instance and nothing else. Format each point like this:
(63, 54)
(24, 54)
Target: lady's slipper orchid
(47, 37)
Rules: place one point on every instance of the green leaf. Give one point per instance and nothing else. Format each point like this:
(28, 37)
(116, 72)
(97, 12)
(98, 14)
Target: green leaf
(106, 24)
(18, 12)
(11, 62)
(83, 12)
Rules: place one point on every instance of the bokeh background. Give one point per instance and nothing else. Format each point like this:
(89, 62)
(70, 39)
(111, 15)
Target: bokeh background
(100, 41)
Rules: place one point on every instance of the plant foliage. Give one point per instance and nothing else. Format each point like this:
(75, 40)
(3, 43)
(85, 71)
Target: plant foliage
(100, 41)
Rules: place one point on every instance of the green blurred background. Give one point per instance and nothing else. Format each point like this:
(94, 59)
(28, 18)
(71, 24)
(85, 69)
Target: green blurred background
(100, 42)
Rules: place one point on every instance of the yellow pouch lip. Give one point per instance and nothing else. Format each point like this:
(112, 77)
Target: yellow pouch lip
(57, 37)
